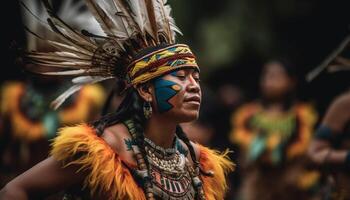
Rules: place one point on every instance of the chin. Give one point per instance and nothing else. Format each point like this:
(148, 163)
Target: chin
(183, 115)
(188, 116)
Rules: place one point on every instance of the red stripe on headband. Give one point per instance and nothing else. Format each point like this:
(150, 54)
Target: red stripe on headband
(161, 62)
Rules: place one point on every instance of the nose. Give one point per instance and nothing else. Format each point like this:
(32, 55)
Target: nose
(193, 85)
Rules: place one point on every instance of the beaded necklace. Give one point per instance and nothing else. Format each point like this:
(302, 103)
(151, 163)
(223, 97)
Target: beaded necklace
(164, 173)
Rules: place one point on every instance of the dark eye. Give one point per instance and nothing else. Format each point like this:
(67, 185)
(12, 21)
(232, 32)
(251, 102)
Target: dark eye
(197, 79)
(181, 76)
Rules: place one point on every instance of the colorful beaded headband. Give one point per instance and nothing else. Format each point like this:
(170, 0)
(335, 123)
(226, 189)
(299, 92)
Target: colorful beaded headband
(161, 62)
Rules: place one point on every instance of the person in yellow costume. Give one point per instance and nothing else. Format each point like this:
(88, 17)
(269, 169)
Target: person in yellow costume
(139, 151)
(273, 134)
(28, 122)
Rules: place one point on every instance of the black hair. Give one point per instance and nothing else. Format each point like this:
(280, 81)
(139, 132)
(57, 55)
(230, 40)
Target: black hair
(288, 66)
(130, 108)
(290, 69)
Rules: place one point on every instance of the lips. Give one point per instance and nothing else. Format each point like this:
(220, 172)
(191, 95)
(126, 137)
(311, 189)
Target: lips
(196, 99)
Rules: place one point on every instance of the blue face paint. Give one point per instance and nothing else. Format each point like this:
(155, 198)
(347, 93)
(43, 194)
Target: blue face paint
(164, 91)
(173, 73)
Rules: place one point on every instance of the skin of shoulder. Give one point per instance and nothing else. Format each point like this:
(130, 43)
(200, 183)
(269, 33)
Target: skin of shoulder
(336, 118)
(116, 136)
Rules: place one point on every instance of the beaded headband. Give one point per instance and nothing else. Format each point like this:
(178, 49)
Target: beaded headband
(161, 62)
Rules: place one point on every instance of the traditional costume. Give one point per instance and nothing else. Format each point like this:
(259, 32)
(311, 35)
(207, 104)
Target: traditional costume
(138, 45)
(272, 150)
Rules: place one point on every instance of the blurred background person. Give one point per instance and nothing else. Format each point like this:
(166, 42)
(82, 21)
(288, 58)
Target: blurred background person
(273, 134)
(27, 119)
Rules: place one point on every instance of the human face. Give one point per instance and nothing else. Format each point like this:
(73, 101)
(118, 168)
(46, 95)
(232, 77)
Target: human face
(275, 82)
(178, 95)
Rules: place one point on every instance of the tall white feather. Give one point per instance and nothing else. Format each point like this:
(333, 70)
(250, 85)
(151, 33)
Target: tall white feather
(79, 82)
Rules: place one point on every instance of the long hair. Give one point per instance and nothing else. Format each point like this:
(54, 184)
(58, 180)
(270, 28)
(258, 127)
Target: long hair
(129, 108)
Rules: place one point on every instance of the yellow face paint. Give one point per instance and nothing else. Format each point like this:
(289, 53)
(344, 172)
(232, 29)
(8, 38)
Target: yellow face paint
(176, 87)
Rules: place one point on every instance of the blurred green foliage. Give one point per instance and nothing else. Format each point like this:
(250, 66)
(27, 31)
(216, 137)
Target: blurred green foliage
(221, 32)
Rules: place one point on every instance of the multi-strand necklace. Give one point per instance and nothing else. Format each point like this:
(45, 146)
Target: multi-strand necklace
(165, 173)
(170, 173)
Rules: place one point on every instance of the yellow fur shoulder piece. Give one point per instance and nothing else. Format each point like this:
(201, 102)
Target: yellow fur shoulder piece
(10, 92)
(307, 113)
(22, 127)
(307, 117)
(240, 134)
(80, 146)
(210, 160)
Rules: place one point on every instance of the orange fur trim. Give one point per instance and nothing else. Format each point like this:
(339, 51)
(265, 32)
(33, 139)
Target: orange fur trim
(240, 134)
(211, 160)
(307, 117)
(106, 173)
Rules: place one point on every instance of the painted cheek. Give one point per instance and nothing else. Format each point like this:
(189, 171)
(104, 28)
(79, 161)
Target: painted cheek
(164, 91)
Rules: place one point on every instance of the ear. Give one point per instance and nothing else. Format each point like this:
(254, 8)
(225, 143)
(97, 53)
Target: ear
(145, 91)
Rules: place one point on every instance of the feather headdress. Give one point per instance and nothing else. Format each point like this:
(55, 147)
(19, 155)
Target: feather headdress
(334, 62)
(72, 12)
(137, 44)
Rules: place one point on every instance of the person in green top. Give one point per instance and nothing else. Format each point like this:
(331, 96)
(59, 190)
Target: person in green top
(273, 134)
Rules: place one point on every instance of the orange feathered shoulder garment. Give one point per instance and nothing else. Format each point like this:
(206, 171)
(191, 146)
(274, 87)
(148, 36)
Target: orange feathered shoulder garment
(79, 145)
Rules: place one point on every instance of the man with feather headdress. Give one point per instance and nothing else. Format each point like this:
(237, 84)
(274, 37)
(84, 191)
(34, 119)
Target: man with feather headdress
(138, 151)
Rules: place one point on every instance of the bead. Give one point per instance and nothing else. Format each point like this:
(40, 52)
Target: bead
(150, 195)
(143, 166)
(197, 182)
(139, 156)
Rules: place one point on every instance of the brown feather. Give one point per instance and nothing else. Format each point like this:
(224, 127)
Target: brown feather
(152, 18)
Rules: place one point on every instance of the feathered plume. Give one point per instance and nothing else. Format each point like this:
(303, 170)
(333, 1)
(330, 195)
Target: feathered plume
(120, 30)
